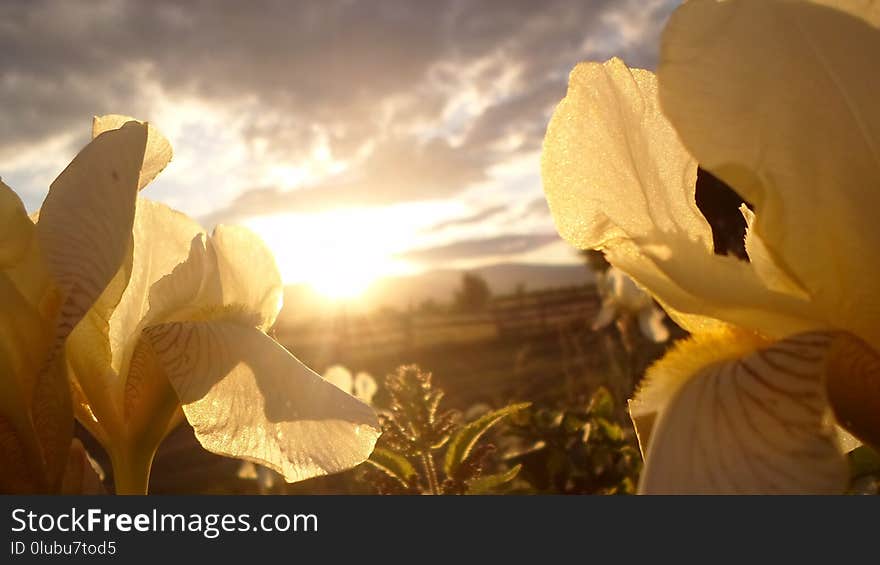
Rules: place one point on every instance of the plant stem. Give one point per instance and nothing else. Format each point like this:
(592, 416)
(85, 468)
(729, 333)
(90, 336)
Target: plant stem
(431, 472)
(131, 470)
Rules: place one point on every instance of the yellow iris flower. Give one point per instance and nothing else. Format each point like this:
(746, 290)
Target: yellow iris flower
(36, 420)
(622, 299)
(779, 100)
(158, 321)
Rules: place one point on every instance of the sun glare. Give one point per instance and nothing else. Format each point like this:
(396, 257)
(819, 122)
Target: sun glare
(340, 253)
(344, 281)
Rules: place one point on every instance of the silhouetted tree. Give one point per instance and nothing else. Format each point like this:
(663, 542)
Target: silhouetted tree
(473, 295)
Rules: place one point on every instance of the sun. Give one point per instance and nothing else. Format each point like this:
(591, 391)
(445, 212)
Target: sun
(338, 253)
(344, 276)
(341, 288)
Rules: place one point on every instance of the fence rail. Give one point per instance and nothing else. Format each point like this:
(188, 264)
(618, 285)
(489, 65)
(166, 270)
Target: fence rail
(513, 316)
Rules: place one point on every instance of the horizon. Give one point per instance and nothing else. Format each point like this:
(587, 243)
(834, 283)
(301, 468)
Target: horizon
(435, 287)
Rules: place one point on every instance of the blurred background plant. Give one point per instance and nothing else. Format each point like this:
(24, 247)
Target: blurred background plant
(574, 449)
(361, 385)
(426, 450)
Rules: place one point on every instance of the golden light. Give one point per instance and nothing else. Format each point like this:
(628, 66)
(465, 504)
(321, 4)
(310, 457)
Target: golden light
(340, 253)
(340, 275)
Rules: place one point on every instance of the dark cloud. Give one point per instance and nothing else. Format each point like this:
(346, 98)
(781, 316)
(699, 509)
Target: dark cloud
(357, 73)
(478, 248)
(525, 115)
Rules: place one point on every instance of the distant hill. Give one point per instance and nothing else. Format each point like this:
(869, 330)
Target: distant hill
(402, 292)
(504, 278)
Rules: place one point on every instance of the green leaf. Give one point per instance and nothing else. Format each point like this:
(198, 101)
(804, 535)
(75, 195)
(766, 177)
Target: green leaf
(573, 423)
(488, 483)
(463, 441)
(394, 465)
(546, 419)
(612, 432)
(601, 403)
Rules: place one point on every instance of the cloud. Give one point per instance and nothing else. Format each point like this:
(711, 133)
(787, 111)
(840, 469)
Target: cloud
(475, 218)
(392, 172)
(417, 99)
(510, 244)
(524, 116)
(537, 207)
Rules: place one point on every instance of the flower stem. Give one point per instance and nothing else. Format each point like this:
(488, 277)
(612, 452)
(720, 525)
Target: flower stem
(131, 470)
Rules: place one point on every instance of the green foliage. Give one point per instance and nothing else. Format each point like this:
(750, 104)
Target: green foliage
(415, 430)
(415, 426)
(581, 448)
(394, 465)
(487, 484)
(467, 436)
(575, 450)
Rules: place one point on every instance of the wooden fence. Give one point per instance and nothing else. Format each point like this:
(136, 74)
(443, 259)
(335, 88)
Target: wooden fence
(508, 317)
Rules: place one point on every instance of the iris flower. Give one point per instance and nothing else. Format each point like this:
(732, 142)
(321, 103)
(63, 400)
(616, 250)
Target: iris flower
(622, 298)
(36, 420)
(779, 100)
(159, 321)
(361, 385)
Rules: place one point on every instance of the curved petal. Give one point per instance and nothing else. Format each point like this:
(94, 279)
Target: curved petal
(35, 393)
(230, 273)
(702, 292)
(616, 176)
(85, 223)
(247, 272)
(150, 403)
(31, 277)
(24, 343)
(247, 397)
(651, 324)
(181, 294)
(853, 387)
(101, 349)
(95, 383)
(626, 292)
(20, 472)
(753, 425)
(162, 240)
(157, 153)
(19, 252)
(762, 261)
(686, 358)
(779, 99)
(16, 228)
(612, 166)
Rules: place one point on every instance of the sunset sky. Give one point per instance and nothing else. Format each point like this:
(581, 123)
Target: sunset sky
(360, 139)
